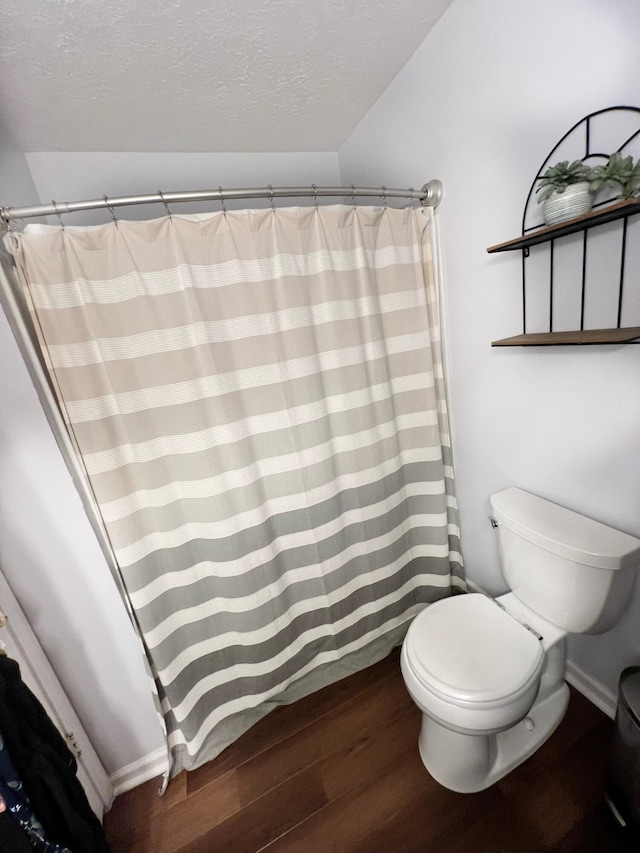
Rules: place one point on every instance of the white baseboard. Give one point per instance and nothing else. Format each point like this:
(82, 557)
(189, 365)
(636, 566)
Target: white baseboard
(131, 775)
(597, 693)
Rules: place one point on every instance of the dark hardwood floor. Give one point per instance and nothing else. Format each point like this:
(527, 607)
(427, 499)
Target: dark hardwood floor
(339, 771)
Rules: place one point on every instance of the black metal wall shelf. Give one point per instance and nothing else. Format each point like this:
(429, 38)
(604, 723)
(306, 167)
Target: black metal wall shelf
(571, 226)
(584, 336)
(600, 215)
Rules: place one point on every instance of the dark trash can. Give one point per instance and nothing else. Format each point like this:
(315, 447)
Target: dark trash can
(623, 782)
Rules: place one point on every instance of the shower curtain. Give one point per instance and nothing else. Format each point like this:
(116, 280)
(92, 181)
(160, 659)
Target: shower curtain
(257, 400)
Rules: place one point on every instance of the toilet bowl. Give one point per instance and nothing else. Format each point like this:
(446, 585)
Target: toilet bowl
(491, 690)
(488, 675)
(470, 665)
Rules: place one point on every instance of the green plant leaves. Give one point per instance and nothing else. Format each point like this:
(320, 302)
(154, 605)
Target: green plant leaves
(618, 172)
(560, 176)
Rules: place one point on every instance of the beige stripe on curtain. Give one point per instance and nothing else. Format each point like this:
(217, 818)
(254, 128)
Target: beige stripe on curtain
(258, 400)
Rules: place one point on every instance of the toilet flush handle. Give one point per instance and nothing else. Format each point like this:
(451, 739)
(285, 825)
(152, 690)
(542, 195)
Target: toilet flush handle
(494, 523)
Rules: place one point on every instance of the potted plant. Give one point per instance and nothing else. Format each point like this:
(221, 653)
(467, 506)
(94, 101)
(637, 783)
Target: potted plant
(619, 172)
(565, 191)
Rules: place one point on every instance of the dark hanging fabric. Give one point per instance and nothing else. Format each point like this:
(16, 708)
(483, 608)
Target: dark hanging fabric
(13, 838)
(46, 767)
(15, 802)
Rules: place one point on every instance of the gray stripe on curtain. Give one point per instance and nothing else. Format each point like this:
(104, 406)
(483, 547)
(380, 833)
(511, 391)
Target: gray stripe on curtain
(235, 548)
(227, 646)
(210, 419)
(249, 685)
(408, 478)
(259, 403)
(227, 445)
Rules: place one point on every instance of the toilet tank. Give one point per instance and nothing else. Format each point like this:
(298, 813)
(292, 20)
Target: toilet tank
(576, 572)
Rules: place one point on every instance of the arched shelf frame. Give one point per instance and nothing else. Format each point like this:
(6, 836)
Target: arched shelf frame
(583, 128)
(605, 210)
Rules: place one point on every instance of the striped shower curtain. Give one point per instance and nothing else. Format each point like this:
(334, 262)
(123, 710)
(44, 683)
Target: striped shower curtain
(257, 399)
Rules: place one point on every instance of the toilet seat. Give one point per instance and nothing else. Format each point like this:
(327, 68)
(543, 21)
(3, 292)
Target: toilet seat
(468, 652)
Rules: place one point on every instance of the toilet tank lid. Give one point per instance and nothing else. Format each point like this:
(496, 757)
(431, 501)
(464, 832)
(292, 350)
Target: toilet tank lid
(564, 532)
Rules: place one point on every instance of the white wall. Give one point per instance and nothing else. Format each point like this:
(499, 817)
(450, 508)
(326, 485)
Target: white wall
(52, 561)
(15, 178)
(47, 549)
(479, 106)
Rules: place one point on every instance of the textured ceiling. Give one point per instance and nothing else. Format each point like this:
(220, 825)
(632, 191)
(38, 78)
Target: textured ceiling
(200, 75)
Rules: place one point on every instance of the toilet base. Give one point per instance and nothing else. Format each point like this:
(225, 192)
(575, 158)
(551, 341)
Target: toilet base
(469, 763)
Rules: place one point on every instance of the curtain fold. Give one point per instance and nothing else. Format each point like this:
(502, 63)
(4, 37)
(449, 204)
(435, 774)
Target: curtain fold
(259, 404)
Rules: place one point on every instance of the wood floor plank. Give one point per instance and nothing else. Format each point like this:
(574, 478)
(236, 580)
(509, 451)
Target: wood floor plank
(327, 735)
(286, 720)
(366, 756)
(266, 818)
(546, 810)
(597, 832)
(429, 818)
(134, 815)
(345, 823)
(496, 830)
(186, 822)
(581, 769)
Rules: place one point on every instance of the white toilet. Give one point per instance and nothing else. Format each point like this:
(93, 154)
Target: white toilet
(488, 675)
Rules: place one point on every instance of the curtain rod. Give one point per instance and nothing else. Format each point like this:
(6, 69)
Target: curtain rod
(430, 195)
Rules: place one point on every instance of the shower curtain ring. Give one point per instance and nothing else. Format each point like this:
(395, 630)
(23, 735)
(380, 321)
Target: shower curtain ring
(166, 206)
(9, 224)
(315, 195)
(111, 210)
(384, 196)
(224, 209)
(58, 214)
(273, 204)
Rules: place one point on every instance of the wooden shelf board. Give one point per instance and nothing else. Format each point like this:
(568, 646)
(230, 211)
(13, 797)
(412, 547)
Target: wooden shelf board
(586, 336)
(570, 226)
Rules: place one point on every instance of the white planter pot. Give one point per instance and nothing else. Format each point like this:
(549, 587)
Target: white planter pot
(576, 200)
